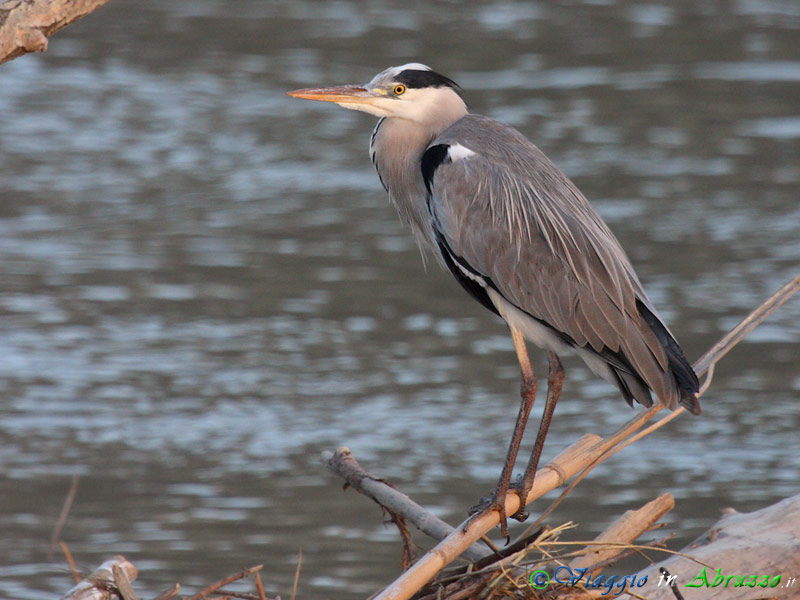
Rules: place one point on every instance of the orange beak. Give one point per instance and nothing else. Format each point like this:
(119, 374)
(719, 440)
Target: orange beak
(343, 94)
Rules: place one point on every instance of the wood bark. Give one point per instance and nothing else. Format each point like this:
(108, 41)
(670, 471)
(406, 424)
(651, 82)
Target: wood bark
(741, 545)
(25, 25)
(625, 530)
(102, 583)
(344, 464)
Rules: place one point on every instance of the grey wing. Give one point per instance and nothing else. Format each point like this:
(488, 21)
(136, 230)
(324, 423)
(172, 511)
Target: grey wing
(523, 240)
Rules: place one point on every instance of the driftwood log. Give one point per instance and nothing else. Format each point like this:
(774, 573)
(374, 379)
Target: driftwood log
(625, 530)
(745, 553)
(25, 25)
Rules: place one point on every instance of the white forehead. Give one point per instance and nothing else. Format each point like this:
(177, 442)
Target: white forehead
(393, 72)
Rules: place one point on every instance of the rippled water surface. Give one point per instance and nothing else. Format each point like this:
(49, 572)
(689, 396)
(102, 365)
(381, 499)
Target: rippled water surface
(203, 285)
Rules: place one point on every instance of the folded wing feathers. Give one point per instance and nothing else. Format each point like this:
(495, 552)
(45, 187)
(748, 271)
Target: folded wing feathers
(576, 275)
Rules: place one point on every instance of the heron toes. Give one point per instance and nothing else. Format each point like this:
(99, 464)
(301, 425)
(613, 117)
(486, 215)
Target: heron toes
(519, 487)
(481, 506)
(520, 515)
(496, 502)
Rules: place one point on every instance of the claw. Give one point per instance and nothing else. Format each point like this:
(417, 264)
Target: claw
(519, 487)
(520, 516)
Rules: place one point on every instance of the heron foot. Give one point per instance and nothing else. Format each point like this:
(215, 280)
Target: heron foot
(520, 488)
(483, 504)
(497, 502)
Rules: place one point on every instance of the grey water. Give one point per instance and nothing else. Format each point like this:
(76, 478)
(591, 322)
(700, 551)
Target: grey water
(203, 286)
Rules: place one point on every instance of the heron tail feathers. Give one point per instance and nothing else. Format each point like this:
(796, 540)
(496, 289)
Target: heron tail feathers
(678, 365)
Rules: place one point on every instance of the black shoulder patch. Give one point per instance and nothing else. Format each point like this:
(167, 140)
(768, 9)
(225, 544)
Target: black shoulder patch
(433, 157)
(414, 78)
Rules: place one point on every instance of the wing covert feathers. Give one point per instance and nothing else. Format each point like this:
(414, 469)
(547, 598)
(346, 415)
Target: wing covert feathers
(516, 220)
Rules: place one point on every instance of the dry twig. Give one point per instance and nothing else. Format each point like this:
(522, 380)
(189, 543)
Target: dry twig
(626, 530)
(297, 574)
(76, 575)
(564, 466)
(170, 593)
(62, 518)
(206, 591)
(260, 587)
(230, 594)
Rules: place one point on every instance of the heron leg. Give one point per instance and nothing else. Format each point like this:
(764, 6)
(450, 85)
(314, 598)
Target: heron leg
(555, 380)
(528, 394)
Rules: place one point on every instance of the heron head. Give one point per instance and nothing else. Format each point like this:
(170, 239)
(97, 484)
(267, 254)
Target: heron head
(412, 91)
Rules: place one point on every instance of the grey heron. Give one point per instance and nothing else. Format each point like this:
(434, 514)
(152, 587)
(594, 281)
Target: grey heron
(522, 240)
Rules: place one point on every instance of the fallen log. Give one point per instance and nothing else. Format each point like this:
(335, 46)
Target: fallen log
(625, 530)
(747, 554)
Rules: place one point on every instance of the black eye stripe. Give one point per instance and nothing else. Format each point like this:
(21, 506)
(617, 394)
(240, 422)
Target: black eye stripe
(413, 78)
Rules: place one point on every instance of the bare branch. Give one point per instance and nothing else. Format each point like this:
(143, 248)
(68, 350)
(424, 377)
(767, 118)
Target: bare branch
(62, 518)
(76, 575)
(750, 322)
(344, 464)
(225, 581)
(25, 25)
(553, 475)
(170, 593)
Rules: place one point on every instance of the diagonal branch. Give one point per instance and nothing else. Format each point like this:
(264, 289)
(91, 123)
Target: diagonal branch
(750, 322)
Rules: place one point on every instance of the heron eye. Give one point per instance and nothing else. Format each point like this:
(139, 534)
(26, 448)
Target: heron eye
(399, 90)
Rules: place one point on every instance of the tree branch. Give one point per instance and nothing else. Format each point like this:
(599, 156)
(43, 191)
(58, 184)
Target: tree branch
(343, 463)
(25, 25)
